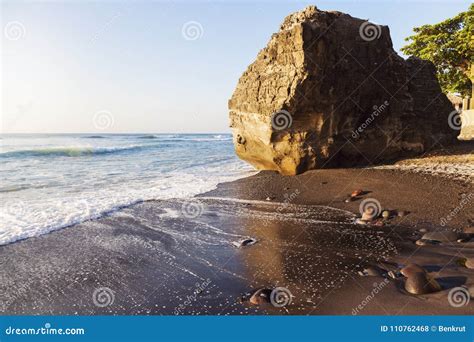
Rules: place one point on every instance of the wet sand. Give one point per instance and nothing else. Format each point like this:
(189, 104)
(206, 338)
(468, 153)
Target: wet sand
(178, 257)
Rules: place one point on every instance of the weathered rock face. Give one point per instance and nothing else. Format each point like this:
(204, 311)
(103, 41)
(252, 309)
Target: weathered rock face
(328, 91)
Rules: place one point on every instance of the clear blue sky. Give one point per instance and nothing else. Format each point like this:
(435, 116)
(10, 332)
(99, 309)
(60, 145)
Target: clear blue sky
(68, 61)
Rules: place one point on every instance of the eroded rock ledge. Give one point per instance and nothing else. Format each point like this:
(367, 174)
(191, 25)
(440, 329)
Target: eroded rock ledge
(330, 91)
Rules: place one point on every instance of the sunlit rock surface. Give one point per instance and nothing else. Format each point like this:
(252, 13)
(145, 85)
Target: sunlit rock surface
(329, 91)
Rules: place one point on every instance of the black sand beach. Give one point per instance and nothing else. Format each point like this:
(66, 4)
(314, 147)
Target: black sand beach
(177, 257)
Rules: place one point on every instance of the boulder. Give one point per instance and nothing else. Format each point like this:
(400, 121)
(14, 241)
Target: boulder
(329, 91)
(411, 269)
(260, 296)
(421, 283)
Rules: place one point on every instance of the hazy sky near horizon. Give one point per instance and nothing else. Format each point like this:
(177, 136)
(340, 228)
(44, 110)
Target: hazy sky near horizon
(76, 67)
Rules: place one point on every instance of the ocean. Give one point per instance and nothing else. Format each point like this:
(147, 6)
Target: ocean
(138, 237)
(51, 181)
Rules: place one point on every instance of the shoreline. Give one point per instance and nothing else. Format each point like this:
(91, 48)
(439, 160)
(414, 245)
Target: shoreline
(419, 195)
(156, 261)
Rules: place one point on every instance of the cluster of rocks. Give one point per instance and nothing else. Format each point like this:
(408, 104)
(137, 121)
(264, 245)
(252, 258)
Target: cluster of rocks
(324, 94)
(372, 213)
(416, 279)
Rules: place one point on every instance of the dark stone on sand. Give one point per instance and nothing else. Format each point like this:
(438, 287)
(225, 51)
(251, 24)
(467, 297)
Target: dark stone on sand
(424, 242)
(402, 213)
(469, 263)
(441, 236)
(411, 269)
(377, 223)
(245, 242)
(394, 274)
(373, 271)
(421, 283)
(369, 214)
(260, 296)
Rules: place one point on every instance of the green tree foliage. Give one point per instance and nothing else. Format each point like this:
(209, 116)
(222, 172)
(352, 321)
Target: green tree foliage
(450, 46)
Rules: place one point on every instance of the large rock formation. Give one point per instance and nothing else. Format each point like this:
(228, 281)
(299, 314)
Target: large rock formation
(329, 90)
